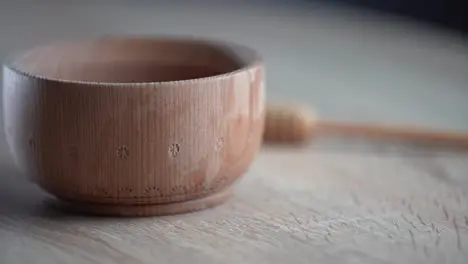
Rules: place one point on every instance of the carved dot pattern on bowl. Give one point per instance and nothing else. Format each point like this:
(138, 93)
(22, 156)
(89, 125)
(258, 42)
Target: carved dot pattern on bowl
(179, 189)
(125, 190)
(174, 150)
(198, 186)
(123, 152)
(219, 182)
(154, 191)
(101, 191)
(219, 143)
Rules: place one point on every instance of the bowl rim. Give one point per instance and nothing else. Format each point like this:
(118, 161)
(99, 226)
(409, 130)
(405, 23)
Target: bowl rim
(253, 62)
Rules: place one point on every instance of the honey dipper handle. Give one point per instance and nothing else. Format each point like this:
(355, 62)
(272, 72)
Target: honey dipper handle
(295, 123)
(410, 133)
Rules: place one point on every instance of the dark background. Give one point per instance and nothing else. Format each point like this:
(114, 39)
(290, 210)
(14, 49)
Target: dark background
(447, 13)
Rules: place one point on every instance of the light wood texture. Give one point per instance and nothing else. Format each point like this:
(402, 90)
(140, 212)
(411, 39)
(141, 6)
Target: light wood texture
(318, 54)
(90, 122)
(295, 123)
(332, 202)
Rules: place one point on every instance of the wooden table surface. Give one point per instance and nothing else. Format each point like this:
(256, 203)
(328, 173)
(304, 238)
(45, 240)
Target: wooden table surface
(332, 201)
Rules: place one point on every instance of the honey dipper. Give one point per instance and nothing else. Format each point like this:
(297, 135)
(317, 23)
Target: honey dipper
(295, 123)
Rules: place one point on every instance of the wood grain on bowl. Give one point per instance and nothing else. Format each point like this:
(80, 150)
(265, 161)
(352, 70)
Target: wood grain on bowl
(127, 121)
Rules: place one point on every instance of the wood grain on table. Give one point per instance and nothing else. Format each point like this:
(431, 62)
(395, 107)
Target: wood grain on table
(330, 202)
(334, 201)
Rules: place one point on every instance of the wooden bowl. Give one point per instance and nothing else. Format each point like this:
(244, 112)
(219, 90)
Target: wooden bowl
(135, 125)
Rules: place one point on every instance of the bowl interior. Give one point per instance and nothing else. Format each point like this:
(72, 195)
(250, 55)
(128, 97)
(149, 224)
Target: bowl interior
(132, 60)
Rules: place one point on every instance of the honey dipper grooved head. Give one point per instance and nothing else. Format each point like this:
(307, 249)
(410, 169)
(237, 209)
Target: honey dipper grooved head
(286, 123)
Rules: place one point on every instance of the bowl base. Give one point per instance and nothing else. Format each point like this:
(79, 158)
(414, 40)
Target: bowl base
(144, 209)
